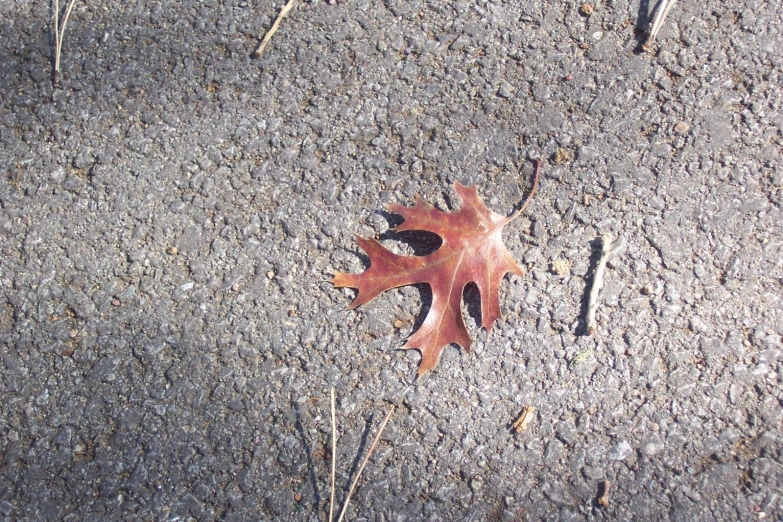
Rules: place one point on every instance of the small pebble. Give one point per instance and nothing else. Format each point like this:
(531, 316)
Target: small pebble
(561, 266)
(587, 9)
(172, 251)
(563, 155)
(270, 275)
(682, 127)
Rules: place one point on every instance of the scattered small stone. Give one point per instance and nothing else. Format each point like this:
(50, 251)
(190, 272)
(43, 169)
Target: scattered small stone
(621, 450)
(648, 289)
(561, 266)
(73, 333)
(587, 9)
(581, 357)
(270, 275)
(298, 496)
(235, 287)
(524, 419)
(603, 493)
(292, 313)
(115, 302)
(172, 251)
(57, 175)
(682, 127)
(563, 155)
(506, 91)
(398, 324)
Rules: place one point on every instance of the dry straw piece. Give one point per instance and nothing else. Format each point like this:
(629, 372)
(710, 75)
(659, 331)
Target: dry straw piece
(273, 29)
(334, 458)
(364, 463)
(59, 34)
(607, 251)
(660, 16)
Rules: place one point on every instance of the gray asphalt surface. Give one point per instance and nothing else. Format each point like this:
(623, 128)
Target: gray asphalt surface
(170, 218)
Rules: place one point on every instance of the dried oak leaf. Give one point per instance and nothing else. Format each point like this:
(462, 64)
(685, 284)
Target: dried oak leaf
(472, 251)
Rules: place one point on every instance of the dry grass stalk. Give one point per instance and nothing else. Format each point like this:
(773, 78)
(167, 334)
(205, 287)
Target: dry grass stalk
(364, 462)
(334, 458)
(59, 34)
(273, 30)
(660, 16)
(607, 251)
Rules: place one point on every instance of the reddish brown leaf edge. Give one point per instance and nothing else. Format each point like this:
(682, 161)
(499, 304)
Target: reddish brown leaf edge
(472, 250)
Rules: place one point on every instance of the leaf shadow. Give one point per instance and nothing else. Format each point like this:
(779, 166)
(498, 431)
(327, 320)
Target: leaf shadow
(421, 242)
(309, 456)
(471, 296)
(596, 246)
(425, 296)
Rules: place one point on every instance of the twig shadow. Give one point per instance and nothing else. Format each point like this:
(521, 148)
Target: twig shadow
(309, 457)
(359, 453)
(596, 246)
(526, 172)
(642, 27)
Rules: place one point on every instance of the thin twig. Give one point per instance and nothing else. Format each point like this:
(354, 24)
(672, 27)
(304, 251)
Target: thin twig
(273, 30)
(364, 462)
(334, 458)
(660, 16)
(532, 191)
(607, 251)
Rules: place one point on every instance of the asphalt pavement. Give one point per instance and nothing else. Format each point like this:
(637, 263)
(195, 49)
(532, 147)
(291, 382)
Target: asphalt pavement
(171, 214)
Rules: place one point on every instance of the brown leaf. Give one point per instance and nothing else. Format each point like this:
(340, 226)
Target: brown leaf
(472, 251)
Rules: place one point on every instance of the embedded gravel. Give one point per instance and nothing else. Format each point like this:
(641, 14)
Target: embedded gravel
(170, 216)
